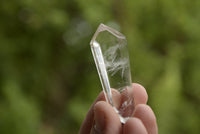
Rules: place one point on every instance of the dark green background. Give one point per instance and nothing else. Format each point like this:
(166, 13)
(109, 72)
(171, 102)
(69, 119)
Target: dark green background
(48, 78)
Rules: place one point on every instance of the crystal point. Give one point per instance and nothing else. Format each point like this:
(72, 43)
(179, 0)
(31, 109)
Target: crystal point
(110, 52)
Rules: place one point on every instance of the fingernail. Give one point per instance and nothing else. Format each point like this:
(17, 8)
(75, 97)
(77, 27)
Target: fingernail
(99, 120)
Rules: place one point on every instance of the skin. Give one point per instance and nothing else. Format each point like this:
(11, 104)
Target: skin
(102, 119)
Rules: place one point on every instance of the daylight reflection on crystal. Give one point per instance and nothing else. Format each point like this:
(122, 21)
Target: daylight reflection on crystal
(109, 48)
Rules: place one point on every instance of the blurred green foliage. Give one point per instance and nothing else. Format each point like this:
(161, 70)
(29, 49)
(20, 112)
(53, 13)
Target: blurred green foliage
(48, 78)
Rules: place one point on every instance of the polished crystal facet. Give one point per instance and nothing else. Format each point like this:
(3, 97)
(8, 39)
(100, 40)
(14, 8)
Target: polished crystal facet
(110, 52)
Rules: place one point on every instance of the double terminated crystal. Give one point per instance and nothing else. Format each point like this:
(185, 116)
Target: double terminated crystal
(109, 49)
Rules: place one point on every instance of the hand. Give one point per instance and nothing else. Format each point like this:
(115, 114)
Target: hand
(102, 119)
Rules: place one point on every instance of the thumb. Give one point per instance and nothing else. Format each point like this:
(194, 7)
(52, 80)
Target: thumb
(106, 120)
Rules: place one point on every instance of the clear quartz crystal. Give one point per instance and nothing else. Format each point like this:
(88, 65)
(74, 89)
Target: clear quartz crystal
(110, 52)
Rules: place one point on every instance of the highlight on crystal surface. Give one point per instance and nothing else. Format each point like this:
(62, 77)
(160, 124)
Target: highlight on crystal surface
(110, 52)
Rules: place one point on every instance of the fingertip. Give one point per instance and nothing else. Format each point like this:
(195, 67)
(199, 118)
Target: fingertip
(110, 119)
(99, 106)
(102, 107)
(140, 94)
(134, 126)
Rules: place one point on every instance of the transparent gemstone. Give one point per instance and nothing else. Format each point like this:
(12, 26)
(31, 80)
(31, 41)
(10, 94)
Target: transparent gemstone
(110, 52)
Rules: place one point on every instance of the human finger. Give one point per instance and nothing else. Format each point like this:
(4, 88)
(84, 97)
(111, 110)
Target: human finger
(88, 121)
(132, 97)
(146, 115)
(134, 126)
(106, 119)
(139, 94)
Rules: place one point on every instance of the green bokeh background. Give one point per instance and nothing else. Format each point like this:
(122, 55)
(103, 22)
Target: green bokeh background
(48, 78)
